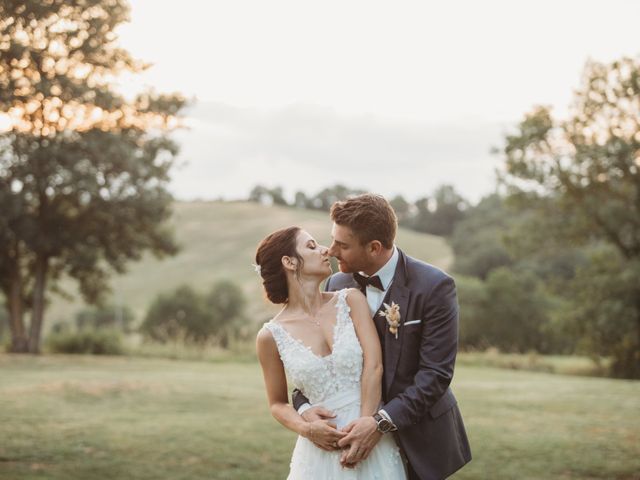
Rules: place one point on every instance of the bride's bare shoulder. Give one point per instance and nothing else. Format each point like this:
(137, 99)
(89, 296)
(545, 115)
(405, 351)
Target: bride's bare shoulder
(266, 346)
(265, 337)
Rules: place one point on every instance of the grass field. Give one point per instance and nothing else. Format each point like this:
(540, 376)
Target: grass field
(218, 241)
(86, 418)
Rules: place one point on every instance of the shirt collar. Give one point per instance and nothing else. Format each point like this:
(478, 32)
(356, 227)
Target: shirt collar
(388, 270)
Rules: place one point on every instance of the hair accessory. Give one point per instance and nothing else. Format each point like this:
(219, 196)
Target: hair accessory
(257, 268)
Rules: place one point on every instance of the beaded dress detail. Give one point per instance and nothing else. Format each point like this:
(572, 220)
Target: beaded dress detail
(333, 381)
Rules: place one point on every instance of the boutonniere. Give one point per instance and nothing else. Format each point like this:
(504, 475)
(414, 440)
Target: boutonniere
(392, 314)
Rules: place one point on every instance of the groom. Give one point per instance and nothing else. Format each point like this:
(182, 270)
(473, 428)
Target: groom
(418, 406)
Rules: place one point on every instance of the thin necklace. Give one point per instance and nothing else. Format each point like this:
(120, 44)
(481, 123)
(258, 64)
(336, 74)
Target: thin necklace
(314, 321)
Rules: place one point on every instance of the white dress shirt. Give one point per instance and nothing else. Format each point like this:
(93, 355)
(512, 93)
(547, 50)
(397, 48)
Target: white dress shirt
(374, 295)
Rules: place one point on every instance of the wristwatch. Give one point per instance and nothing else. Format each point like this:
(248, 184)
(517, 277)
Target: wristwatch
(384, 425)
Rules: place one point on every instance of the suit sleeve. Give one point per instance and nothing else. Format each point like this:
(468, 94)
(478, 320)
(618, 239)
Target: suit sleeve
(326, 285)
(438, 348)
(298, 399)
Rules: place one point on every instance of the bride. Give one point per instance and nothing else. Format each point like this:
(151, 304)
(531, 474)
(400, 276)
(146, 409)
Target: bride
(328, 347)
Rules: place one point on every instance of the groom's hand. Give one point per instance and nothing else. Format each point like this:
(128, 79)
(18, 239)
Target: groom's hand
(317, 413)
(325, 435)
(362, 436)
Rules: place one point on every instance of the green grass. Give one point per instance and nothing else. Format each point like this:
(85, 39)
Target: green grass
(218, 241)
(562, 364)
(82, 417)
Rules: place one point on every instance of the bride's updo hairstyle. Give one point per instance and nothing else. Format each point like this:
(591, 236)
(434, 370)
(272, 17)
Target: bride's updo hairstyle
(281, 243)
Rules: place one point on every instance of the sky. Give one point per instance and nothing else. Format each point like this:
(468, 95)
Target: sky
(393, 97)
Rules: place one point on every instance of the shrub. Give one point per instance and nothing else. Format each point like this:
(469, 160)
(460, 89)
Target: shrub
(96, 342)
(184, 315)
(181, 314)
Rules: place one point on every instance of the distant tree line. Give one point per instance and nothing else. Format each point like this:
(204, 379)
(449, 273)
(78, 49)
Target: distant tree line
(436, 214)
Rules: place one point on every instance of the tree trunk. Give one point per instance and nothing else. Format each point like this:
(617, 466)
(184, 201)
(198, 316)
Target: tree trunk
(42, 264)
(19, 343)
(637, 351)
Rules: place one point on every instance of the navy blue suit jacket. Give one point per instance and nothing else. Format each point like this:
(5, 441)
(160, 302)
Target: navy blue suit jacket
(418, 367)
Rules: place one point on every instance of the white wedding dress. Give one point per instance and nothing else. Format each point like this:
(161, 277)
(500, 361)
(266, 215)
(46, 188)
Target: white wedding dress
(333, 381)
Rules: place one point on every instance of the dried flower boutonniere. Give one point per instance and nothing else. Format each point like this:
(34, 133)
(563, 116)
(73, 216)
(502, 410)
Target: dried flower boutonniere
(392, 314)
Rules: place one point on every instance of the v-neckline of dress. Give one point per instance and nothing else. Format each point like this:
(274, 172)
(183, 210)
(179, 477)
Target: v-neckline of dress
(307, 347)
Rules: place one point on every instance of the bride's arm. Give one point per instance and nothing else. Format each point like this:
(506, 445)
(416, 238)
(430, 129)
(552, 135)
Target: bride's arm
(370, 343)
(275, 381)
(363, 433)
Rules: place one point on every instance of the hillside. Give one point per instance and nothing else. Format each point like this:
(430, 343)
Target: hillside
(218, 241)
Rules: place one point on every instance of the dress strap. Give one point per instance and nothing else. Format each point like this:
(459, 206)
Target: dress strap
(278, 333)
(342, 306)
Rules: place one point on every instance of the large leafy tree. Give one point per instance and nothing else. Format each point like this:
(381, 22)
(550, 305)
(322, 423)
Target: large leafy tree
(583, 177)
(83, 170)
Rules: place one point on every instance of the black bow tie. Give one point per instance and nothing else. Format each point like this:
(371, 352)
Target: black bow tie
(363, 281)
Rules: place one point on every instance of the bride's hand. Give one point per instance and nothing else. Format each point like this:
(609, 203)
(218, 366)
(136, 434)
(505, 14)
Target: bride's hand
(324, 434)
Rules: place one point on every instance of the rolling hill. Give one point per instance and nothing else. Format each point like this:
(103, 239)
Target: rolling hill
(218, 241)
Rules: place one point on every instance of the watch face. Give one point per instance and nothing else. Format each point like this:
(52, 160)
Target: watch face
(384, 425)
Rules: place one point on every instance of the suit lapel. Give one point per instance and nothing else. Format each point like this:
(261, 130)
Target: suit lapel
(392, 345)
(398, 293)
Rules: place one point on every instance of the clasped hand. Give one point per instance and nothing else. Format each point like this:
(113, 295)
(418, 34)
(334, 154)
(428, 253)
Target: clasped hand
(356, 440)
(322, 431)
(362, 436)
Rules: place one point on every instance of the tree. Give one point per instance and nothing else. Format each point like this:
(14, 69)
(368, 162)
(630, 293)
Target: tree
(439, 214)
(301, 200)
(449, 210)
(259, 194)
(478, 239)
(328, 196)
(508, 311)
(178, 315)
(187, 315)
(583, 175)
(4, 320)
(422, 216)
(225, 303)
(402, 209)
(604, 308)
(83, 171)
(267, 196)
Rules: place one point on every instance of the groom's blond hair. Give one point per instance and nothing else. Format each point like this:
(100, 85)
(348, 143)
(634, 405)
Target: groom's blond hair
(369, 216)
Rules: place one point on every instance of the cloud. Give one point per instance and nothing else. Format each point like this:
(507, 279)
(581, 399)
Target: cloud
(307, 147)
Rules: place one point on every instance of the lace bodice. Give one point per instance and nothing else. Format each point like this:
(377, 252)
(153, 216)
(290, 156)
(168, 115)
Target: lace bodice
(318, 377)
